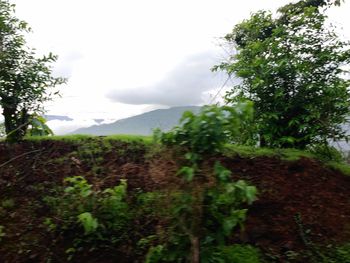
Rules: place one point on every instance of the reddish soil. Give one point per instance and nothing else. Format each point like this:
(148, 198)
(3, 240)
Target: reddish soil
(301, 203)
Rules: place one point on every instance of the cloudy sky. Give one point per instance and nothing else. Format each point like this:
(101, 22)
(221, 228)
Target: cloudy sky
(123, 58)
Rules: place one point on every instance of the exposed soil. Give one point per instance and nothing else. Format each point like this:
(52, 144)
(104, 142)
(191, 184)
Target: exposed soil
(301, 203)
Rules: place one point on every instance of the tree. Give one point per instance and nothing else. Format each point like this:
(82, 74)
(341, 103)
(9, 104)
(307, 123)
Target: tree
(292, 67)
(25, 80)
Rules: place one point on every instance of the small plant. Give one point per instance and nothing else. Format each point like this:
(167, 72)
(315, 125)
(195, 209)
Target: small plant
(204, 212)
(96, 217)
(201, 217)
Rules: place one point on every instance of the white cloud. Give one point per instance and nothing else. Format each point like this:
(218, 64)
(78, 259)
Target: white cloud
(115, 47)
(63, 127)
(184, 85)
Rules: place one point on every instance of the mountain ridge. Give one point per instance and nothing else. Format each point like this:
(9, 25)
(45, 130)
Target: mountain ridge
(142, 124)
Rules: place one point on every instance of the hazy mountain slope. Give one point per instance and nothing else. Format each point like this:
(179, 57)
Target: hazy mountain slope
(142, 124)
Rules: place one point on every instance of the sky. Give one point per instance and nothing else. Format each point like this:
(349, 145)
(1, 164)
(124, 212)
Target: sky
(123, 58)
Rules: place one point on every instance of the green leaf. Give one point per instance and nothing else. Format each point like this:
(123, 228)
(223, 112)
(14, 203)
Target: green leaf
(89, 223)
(187, 172)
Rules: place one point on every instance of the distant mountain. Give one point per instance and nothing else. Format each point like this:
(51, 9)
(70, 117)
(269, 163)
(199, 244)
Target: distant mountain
(98, 120)
(57, 117)
(142, 124)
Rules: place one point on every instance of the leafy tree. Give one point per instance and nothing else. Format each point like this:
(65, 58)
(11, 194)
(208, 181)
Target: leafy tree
(292, 67)
(24, 79)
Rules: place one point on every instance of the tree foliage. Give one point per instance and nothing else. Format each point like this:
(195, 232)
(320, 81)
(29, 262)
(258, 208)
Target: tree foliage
(292, 67)
(24, 79)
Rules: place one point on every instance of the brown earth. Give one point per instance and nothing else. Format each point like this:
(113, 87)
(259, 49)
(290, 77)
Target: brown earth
(301, 204)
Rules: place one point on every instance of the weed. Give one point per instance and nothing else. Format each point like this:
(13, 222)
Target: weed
(103, 216)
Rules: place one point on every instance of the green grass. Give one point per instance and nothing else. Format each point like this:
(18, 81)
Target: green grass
(230, 150)
(342, 167)
(251, 152)
(283, 154)
(80, 138)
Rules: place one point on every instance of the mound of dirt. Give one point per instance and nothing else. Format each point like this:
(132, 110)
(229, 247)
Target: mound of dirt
(300, 203)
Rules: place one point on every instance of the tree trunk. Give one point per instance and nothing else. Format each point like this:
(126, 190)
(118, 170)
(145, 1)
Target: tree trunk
(16, 123)
(195, 249)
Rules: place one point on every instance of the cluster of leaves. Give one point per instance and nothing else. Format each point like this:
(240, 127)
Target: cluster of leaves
(213, 127)
(96, 216)
(292, 68)
(38, 127)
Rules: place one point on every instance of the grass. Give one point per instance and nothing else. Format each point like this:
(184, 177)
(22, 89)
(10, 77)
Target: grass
(283, 154)
(342, 167)
(80, 138)
(230, 150)
(251, 152)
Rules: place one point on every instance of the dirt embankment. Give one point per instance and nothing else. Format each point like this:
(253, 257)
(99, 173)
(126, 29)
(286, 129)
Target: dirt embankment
(300, 202)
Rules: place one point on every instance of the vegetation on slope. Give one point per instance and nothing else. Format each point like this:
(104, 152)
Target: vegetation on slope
(101, 199)
(129, 199)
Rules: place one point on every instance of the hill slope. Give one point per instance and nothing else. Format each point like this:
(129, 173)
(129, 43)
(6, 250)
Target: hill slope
(301, 203)
(142, 124)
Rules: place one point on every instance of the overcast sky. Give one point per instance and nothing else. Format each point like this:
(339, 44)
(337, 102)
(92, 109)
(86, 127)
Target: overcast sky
(123, 58)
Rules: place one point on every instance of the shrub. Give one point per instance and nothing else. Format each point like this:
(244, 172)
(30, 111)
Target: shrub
(201, 217)
(94, 216)
(211, 129)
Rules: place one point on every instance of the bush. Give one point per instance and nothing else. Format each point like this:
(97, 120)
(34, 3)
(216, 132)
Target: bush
(94, 216)
(212, 128)
(201, 217)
